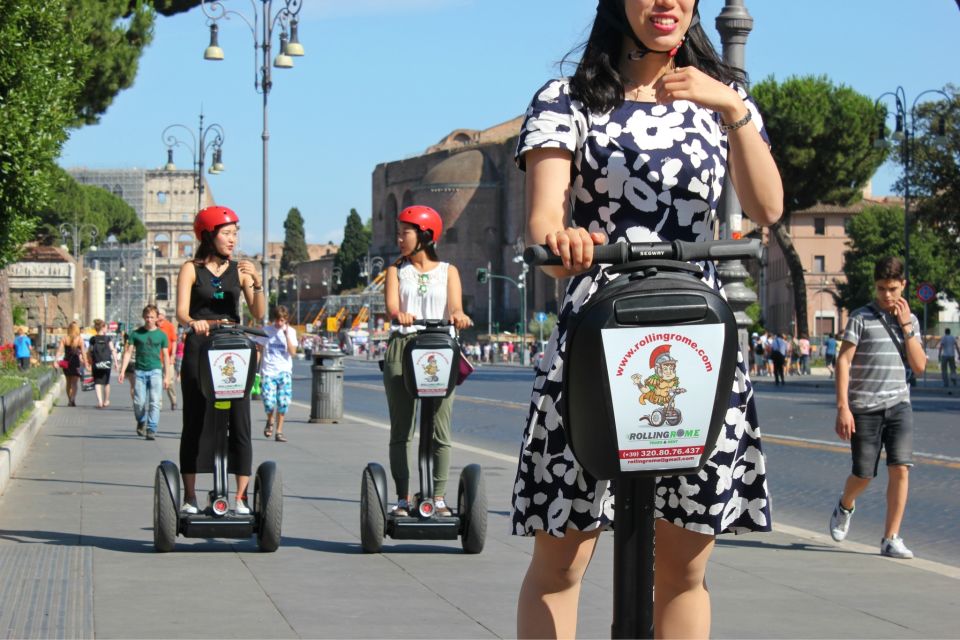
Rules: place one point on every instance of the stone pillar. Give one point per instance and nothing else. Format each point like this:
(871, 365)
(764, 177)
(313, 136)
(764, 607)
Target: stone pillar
(734, 24)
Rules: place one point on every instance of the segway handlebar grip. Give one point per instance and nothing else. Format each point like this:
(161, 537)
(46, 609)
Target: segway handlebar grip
(728, 249)
(616, 253)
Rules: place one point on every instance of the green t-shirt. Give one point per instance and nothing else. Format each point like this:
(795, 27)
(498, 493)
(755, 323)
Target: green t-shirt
(147, 345)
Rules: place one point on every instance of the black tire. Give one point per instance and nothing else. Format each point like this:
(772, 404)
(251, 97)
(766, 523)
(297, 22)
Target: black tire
(165, 516)
(268, 506)
(675, 419)
(472, 509)
(372, 512)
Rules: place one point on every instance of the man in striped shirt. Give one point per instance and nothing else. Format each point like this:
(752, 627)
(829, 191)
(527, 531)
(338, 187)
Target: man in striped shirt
(873, 400)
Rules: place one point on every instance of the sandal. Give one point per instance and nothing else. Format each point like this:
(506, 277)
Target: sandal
(268, 430)
(280, 437)
(441, 506)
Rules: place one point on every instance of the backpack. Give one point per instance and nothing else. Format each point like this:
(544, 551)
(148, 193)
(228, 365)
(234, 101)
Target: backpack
(100, 353)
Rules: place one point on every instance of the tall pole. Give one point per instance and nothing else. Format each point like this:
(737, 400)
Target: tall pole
(489, 302)
(906, 126)
(734, 24)
(286, 17)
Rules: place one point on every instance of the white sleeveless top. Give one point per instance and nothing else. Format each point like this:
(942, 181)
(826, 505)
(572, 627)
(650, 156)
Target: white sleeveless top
(422, 294)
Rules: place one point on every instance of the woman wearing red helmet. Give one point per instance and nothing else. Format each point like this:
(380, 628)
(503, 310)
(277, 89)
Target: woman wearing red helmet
(209, 288)
(418, 285)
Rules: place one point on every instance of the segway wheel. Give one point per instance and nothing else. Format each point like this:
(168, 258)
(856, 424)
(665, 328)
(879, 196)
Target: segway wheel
(472, 509)
(166, 485)
(268, 506)
(657, 417)
(372, 513)
(674, 419)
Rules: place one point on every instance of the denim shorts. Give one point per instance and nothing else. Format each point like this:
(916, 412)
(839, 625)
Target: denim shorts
(889, 429)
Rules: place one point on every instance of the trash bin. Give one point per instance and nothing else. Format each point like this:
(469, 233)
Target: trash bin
(326, 400)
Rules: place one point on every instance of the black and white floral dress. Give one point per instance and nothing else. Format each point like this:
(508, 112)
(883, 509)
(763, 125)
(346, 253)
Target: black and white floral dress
(642, 172)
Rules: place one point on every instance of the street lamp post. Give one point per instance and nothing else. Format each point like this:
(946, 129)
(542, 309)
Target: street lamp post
(734, 25)
(369, 267)
(905, 133)
(75, 231)
(198, 151)
(290, 46)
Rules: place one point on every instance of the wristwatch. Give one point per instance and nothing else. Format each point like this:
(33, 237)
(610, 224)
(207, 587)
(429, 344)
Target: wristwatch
(909, 334)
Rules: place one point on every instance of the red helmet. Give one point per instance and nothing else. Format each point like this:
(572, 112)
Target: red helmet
(212, 217)
(424, 218)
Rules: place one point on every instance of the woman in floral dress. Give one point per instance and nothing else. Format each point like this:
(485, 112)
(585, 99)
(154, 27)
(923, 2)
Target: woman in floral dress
(635, 148)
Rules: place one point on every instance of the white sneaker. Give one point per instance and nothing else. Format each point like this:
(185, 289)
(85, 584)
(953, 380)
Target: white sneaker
(189, 507)
(240, 508)
(840, 522)
(893, 547)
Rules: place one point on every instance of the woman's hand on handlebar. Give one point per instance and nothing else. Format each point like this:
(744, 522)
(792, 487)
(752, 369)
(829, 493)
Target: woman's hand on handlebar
(574, 245)
(405, 319)
(460, 320)
(200, 327)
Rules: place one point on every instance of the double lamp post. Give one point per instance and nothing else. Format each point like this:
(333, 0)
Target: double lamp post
(262, 27)
(207, 139)
(905, 133)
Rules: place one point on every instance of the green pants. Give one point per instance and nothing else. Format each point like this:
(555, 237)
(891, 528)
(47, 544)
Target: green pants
(403, 411)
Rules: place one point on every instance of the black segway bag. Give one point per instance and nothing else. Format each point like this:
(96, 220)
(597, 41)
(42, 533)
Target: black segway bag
(649, 363)
(431, 360)
(228, 366)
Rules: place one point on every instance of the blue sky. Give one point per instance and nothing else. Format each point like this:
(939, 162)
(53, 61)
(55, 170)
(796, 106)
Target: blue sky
(384, 79)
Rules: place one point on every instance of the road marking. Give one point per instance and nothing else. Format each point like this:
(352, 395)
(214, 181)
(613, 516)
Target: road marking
(798, 532)
(921, 457)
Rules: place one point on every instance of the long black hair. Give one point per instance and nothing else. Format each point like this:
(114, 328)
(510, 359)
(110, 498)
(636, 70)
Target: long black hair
(597, 83)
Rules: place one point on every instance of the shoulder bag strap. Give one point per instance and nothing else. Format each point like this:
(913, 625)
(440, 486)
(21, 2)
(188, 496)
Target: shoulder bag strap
(900, 346)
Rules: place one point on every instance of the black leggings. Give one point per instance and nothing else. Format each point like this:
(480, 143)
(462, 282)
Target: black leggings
(196, 447)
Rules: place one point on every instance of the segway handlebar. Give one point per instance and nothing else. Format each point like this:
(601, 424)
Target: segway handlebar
(227, 324)
(623, 252)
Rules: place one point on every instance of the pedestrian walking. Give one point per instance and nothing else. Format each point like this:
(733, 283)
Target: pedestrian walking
(102, 359)
(70, 357)
(210, 287)
(947, 354)
(22, 348)
(276, 370)
(418, 286)
(830, 352)
(623, 151)
(779, 347)
(178, 358)
(804, 347)
(873, 401)
(148, 348)
(171, 332)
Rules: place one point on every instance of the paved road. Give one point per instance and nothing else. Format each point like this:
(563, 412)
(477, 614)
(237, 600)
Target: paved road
(77, 560)
(807, 463)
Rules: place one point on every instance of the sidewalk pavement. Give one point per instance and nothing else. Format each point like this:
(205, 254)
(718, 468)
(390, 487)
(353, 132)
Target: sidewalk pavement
(77, 559)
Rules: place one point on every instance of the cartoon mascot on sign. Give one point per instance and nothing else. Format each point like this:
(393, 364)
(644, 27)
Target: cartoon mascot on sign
(431, 369)
(656, 388)
(229, 370)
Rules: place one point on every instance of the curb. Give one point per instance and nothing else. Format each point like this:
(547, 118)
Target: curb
(15, 449)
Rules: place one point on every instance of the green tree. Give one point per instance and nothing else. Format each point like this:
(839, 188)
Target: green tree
(355, 245)
(117, 32)
(821, 137)
(39, 87)
(877, 232)
(534, 327)
(294, 243)
(72, 202)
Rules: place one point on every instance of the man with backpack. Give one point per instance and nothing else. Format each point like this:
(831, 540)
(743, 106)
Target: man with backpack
(873, 401)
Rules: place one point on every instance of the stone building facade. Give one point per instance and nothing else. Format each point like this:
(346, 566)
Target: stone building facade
(471, 179)
(166, 202)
